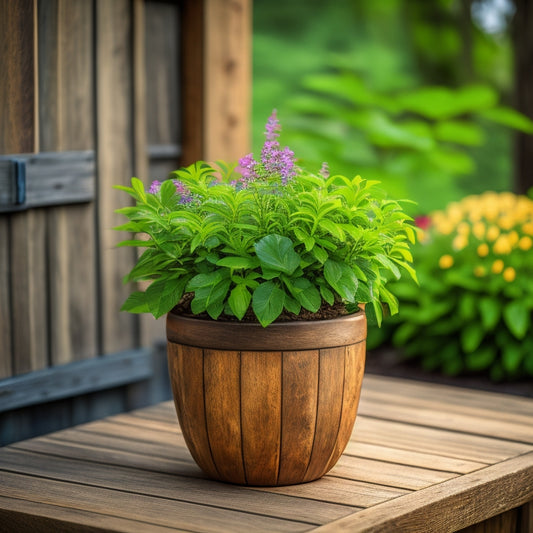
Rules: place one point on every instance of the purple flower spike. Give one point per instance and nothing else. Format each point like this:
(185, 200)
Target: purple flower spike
(154, 187)
(324, 171)
(247, 166)
(272, 128)
(183, 191)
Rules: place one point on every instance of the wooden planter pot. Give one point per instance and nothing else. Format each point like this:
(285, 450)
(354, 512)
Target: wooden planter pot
(266, 406)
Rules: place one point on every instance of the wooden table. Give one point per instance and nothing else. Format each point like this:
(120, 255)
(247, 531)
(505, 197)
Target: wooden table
(423, 457)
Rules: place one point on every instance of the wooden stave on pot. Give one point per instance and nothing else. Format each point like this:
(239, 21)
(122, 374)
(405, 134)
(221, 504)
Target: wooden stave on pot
(266, 406)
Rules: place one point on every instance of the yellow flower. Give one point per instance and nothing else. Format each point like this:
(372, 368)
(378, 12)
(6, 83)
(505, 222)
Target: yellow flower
(513, 238)
(460, 242)
(478, 230)
(492, 233)
(502, 245)
(446, 261)
(483, 249)
(479, 271)
(497, 266)
(463, 228)
(528, 228)
(506, 222)
(509, 274)
(525, 243)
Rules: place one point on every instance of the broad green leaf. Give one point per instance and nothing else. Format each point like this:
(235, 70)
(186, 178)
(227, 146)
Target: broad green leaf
(138, 187)
(167, 191)
(277, 253)
(517, 317)
(327, 295)
(163, 294)
(209, 298)
(389, 299)
(467, 306)
(332, 228)
(509, 117)
(239, 300)
(480, 359)
(490, 310)
(136, 303)
(319, 254)
(459, 132)
(292, 305)
(204, 280)
(268, 301)
(512, 357)
(471, 336)
(341, 278)
(306, 294)
(387, 263)
(238, 262)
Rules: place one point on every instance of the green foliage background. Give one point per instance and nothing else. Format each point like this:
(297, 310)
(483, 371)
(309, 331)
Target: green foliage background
(346, 78)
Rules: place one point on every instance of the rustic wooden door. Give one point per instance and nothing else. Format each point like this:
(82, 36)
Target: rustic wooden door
(92, 93)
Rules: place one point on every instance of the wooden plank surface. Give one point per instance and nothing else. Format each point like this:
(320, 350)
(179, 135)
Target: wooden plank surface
(115, 126)
(228, 76)
(133, 470)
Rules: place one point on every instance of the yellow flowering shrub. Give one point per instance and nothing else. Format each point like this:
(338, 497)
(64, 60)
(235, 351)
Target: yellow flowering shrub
(472, 310)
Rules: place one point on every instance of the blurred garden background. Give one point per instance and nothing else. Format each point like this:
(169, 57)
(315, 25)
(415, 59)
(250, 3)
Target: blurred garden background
(422, 96)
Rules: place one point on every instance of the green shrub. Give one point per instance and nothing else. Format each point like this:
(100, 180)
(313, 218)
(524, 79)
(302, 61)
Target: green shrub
(472, 310)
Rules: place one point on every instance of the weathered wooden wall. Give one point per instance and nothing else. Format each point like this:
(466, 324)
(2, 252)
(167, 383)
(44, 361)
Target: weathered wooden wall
(131, 81)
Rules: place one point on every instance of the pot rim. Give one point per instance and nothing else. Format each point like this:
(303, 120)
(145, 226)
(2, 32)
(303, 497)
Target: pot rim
(278, 336)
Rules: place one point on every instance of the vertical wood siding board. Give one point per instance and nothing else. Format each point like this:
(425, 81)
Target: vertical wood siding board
(29, 286)
(228, 78)
(17, 87)
(115, 160)
(17, 134)
(6, 349)
(66, 52)
(150, 330)
(193, 80)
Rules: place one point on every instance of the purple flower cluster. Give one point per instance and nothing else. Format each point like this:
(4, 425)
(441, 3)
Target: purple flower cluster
(324, 171)
(274, 160)
(181, 189)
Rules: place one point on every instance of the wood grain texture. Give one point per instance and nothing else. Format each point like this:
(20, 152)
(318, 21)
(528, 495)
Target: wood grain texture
(119, 331)
(257, 436)
(5, 302)
(66, 111)
(134, 469)
(155, 57)
(354, 367)
(228, 75)
(187, 379)
(29, 312)
(329, 409)
(286, 336)
(261, 421)
(494, 490)
(193, 76)
(299, 406)
(17, 83)
(222, 375)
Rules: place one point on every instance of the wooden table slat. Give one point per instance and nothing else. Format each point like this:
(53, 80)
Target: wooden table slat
(422, 458)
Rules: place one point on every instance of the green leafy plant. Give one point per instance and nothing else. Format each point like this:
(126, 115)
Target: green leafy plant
(472, 310)
(265, 238)
(420, 141)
